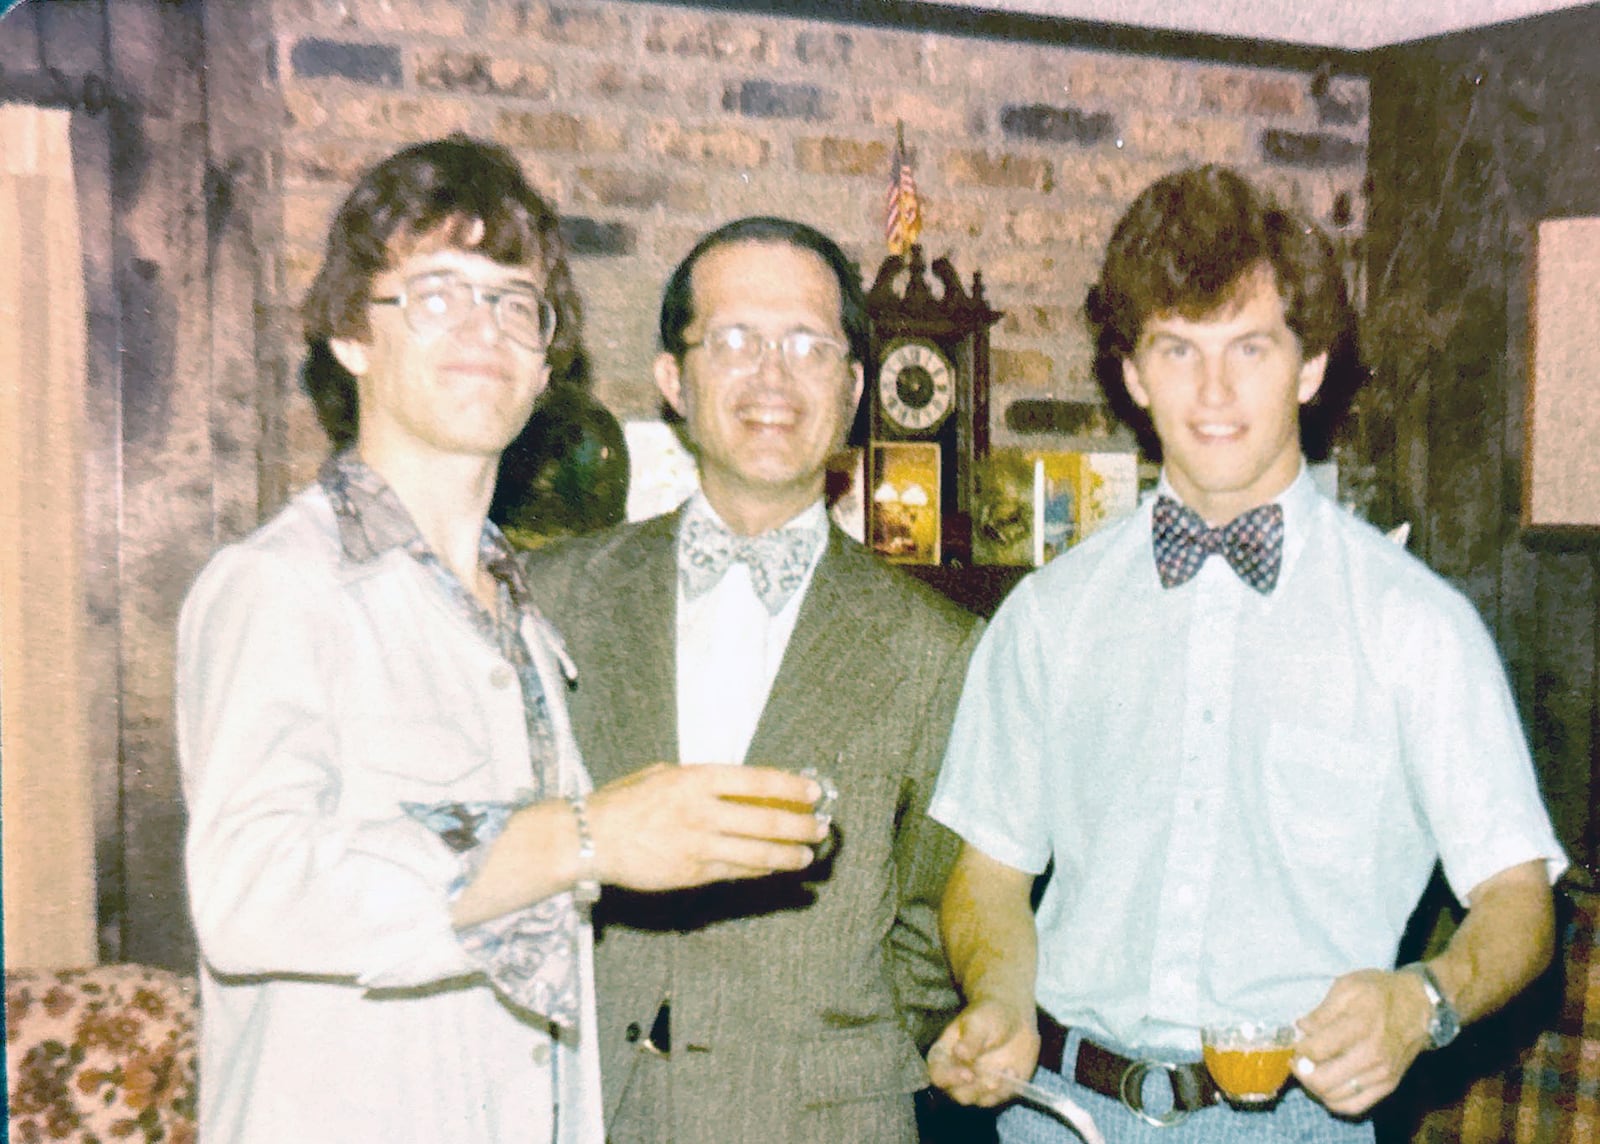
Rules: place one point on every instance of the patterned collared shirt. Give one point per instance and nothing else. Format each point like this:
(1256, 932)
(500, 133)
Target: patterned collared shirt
(372, 521)
(531, 954)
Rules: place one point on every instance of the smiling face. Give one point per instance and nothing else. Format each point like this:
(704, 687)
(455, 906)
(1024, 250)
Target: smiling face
(763, 438)
(1224, 392)
(466, 391)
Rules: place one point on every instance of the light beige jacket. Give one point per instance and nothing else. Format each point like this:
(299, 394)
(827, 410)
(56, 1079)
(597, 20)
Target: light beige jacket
(315, 695)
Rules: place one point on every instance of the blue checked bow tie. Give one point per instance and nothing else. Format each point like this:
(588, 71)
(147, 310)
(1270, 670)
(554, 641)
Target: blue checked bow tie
(777, 560)
(1251, 543)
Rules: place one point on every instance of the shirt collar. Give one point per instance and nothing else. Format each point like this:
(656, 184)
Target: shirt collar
(1296, 500)
(813, 517)
(370, 517)
(372, 521)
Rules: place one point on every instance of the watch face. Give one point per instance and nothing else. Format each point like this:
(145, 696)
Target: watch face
(1444, 1023)
(916, 386)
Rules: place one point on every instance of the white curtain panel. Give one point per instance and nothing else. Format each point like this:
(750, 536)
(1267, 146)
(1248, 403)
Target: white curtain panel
(47, 780)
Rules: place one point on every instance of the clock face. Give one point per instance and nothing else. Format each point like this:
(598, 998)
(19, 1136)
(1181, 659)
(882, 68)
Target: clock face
(916, 386)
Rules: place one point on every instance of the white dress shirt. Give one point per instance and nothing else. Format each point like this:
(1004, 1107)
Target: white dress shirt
(729, 651)
(1243, 794)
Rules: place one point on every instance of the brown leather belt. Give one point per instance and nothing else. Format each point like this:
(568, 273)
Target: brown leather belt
(1122, 1078)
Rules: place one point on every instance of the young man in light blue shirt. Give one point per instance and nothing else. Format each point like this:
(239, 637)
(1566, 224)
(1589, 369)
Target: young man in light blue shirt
(1243, 769)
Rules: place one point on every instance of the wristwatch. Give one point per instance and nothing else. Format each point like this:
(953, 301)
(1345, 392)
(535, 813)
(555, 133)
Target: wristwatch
(1444, 1023)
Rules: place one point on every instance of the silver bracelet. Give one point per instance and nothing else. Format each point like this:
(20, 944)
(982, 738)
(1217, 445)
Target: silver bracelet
(587, 888)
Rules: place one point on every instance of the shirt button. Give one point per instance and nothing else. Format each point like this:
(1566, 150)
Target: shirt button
(501, 677)
(541, 1054)
(1207, 716)
(632, 1033)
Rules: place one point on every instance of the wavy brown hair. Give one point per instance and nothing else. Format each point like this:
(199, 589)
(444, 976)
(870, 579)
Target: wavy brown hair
(456, 192)
(1191, 239)
(1188, 245)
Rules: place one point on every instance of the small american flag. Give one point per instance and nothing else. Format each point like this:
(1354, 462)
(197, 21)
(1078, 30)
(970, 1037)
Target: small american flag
(902, 214)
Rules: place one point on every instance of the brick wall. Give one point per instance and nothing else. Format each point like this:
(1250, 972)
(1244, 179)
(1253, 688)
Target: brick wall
(648, 124)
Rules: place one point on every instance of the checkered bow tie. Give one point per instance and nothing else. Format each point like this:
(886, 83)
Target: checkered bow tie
(1252, 544)
(777, 560)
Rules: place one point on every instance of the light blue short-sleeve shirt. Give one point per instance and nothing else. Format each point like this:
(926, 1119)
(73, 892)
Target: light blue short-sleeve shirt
(1243, 795)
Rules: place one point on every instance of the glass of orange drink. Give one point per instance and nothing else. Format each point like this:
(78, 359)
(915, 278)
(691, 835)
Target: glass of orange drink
(822, 808)
(1249, 1060)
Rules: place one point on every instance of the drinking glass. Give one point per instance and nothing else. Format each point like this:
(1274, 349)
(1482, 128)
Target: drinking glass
(1249, 1060)
(822, 808)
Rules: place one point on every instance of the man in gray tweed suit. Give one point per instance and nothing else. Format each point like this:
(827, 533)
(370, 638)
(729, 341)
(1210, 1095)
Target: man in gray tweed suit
(744, 628)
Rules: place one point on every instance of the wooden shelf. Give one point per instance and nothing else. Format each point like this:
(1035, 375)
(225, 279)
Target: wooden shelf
(977, 587)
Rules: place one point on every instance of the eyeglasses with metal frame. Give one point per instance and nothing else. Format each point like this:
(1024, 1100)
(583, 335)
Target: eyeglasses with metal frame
(437, 302)
(737, 350)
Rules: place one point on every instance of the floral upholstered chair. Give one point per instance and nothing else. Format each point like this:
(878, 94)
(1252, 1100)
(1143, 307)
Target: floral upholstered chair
(101, 1055)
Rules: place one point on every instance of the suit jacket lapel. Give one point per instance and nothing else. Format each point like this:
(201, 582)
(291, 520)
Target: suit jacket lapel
(829, 636)
(637, 719)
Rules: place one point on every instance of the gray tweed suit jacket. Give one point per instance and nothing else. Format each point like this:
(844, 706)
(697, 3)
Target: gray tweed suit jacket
(798, 1002)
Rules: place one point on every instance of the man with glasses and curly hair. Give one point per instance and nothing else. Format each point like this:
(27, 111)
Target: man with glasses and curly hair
(743, 629)
(393, 841)
(1243, 769)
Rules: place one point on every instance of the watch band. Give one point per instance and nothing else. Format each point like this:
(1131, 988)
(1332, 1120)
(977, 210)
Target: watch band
(1443, 1022)
(586, 889)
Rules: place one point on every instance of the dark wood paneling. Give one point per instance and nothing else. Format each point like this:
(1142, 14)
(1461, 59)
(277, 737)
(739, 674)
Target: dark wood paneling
(19, 50)
(71, 37)
(244, 113)
(167, 463)
(102, 428)
(1563, 709)
(1475, 138)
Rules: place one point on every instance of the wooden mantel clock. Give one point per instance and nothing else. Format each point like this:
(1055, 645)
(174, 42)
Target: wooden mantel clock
(928, 409)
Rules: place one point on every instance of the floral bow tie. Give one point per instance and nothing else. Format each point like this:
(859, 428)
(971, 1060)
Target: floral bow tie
(777, 560)
(1252, 544)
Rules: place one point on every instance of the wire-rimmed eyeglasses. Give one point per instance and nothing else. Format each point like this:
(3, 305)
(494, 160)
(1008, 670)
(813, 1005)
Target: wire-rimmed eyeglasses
(438, 301)
(735, 350)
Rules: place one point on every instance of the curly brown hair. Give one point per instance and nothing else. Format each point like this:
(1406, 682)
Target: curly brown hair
(457, 192)
(1189, 242)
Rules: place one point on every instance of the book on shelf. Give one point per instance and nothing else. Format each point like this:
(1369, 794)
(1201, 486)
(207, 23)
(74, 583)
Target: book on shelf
(1030, 505)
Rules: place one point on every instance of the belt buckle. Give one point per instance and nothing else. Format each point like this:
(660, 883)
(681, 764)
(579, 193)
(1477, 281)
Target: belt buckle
(1131, 1090)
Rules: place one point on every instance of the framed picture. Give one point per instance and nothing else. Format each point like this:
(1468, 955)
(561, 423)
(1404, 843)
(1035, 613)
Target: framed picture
(905, 511)
(1560, 479)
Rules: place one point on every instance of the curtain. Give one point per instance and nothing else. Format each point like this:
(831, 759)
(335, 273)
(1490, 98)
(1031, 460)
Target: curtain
(46, 815)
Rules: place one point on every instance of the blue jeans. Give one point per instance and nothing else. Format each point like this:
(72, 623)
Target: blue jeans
(1294, 1119)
